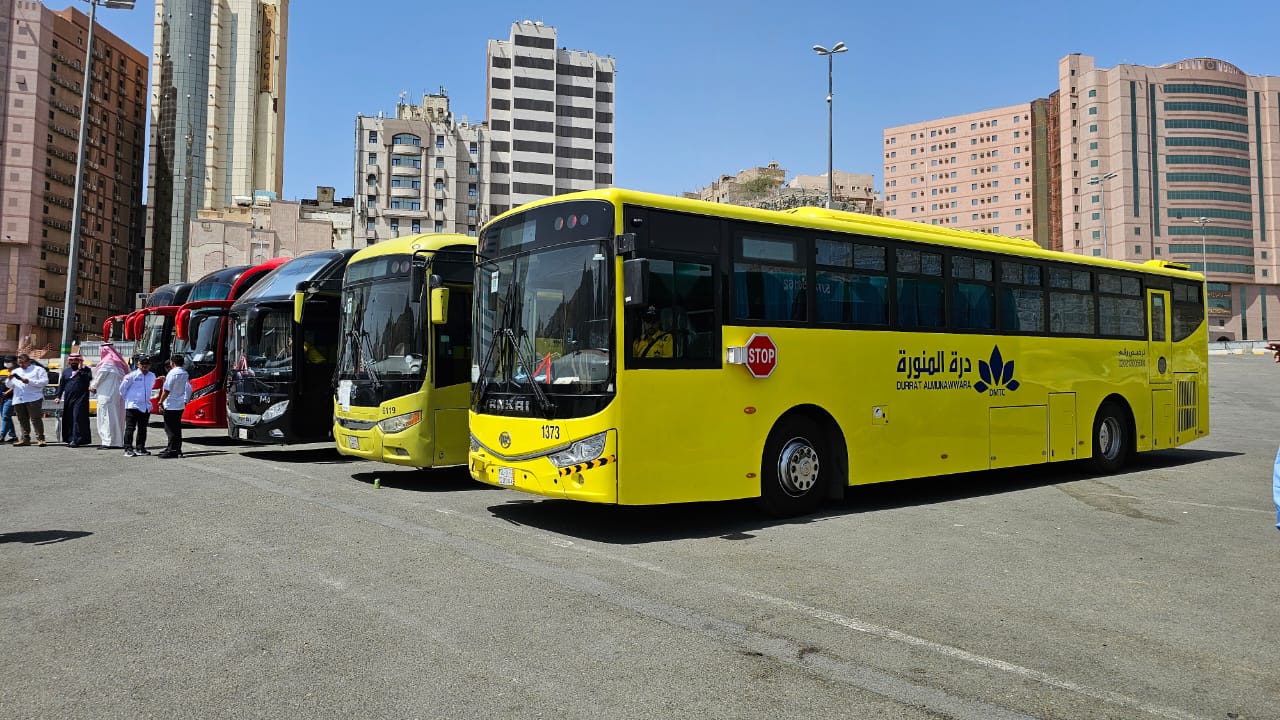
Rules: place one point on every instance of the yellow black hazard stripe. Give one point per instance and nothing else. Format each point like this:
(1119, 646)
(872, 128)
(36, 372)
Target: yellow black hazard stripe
(598, 462)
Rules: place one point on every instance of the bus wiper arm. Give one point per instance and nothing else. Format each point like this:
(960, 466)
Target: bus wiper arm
(529, 359)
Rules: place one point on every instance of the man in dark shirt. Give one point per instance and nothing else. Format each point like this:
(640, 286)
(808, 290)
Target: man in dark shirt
(73, 393)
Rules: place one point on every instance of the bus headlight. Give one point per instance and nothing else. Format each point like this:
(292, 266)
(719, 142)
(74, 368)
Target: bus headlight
(400, 423)
(275, 411)
(585, 450)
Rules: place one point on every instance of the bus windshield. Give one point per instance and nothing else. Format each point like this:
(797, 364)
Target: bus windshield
(543, 330)
(382, 344)
(202, 344)
(151, 341)
(261, 348)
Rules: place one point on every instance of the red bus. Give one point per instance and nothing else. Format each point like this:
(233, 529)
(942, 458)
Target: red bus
(201, 324)
(151, 328)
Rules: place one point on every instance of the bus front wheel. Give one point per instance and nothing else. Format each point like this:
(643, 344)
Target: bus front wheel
(795, 469)
(1111, 438)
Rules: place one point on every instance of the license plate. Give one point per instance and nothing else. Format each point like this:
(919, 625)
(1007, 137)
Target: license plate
(239, 433)
(353, 442)
(506, 476)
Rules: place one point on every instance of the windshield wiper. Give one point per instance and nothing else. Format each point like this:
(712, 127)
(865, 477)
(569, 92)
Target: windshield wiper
(505, 336)
(364, 348)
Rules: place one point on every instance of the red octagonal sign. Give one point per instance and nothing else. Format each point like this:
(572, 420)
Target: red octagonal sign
(762, 356)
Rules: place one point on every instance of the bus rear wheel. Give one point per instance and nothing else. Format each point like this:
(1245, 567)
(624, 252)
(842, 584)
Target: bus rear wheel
(795, 469)
(1111, 438)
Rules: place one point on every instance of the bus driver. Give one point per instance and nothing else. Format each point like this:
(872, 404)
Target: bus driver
(654, 342)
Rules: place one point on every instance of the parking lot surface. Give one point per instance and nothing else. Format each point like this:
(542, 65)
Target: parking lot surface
(291, 582)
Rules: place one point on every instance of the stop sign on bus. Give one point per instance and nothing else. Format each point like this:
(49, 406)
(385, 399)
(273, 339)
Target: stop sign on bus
(762, 356)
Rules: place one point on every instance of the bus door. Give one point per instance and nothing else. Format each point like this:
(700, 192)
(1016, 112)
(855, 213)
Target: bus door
(1160, 367)
(1159, 343)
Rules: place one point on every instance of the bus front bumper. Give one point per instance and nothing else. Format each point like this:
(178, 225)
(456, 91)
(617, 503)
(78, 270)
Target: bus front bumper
(592, 481)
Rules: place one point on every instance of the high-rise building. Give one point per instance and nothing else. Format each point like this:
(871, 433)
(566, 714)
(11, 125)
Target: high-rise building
(1178, 162)
(42, 56)
(418, 172)
(550, 117)
(969, 172)
(217, 117)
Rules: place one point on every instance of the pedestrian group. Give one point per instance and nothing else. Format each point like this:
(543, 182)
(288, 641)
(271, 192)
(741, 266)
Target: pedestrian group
(124, 402)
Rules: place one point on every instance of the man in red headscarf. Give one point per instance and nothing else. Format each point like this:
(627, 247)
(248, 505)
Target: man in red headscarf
(107, 375)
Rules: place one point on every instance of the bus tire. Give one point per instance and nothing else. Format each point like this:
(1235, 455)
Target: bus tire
(795, 470)
(1112, 438)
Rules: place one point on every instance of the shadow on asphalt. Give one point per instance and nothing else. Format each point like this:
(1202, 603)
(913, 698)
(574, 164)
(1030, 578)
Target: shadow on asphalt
(736, 519)
(210, 440)
(320, 456)
(42, 537)
(450, 479)
(200, 453)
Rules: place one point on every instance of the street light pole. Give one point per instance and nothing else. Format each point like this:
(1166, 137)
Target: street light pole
(73, 259)
(1204, 252)
(837, 48)
(1102, 190)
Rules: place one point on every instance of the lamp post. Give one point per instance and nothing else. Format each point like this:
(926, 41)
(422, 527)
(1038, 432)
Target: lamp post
(73, 259)
(837, 48)
(1204, 253)
(1102, 189)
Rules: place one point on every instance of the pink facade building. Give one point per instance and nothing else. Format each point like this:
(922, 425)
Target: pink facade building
(971, 172)
(1178, 162)
(42, 56)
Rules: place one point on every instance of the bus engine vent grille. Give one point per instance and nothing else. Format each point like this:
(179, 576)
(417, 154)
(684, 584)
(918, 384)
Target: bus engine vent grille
(1187, 405)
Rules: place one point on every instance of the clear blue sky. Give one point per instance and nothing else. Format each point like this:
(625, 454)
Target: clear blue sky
(715, 86)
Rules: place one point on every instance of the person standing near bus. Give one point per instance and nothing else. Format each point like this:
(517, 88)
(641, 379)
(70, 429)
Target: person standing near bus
(108, 375)
(8, 431)
(173, 400)
(73, 393)
(135, 390)
(654, 342)
(29, 381)
(1275, 469)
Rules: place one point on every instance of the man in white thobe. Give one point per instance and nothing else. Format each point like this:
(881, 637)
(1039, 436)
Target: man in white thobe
(110, 370)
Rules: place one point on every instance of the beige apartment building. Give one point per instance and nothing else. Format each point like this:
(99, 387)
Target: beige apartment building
(42, 54)
(767, 187)
(1177, 162)
(422, 171)
(969, 172)
(260, 228)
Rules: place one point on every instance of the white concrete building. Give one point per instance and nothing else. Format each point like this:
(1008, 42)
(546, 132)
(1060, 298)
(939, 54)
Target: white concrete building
(550, 117)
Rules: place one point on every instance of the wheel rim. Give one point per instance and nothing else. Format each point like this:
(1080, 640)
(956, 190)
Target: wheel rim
(1109, 438)
(798, 467)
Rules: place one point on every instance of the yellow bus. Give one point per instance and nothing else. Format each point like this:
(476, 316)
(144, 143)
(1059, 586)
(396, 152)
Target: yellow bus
(404, 352)
(639, 349)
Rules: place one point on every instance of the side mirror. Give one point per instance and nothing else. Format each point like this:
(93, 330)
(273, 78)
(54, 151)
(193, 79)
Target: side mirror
(635, 282)
(439, 305)
(417, 275)
(299, 298)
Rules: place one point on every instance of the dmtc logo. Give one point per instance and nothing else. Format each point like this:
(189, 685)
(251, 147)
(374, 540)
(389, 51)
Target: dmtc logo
(997, 376)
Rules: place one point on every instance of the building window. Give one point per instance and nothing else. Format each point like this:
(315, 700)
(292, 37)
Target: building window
(1093, 128)
(373, 159)
(395, 225)
(439, 226)
(373, 136)
(417, 226)
(439, 163)
(439, 142)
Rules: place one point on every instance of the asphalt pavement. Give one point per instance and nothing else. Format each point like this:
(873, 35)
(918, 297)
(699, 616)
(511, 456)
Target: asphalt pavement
(291, 582)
